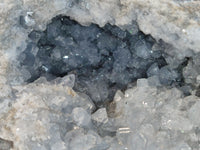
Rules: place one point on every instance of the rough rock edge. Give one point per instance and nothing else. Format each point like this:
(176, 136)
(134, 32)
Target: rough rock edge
(175, 22)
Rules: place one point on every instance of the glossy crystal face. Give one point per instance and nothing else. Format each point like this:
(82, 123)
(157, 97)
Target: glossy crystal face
(102, 59)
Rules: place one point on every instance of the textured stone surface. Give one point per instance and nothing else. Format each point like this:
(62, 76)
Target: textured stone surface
(181, 29)
(171, 21)
(175, 22)
(40, 114)
(100, 116)
(103, 59)
(50, 115)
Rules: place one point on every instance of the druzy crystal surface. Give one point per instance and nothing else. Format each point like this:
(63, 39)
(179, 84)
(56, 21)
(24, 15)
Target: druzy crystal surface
(103, 60)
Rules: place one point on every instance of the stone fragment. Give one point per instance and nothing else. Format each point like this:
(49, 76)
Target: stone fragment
(153, 70)
(154, 81)
(77, 140)
(142, 50)
(176, 123)
(81, 117)
(142, 83)
(168, 76)
(100, 116)
(182, 146)
(194, 112)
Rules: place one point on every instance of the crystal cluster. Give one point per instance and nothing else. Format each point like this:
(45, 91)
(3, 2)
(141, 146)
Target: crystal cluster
(103, 59)
(51, 116)
(94, 86)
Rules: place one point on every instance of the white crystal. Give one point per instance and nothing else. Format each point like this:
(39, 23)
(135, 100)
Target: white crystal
(100, 116)
(66, 57)
(29, 19)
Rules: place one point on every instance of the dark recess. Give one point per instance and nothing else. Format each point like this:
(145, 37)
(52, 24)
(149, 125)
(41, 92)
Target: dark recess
(103, 59)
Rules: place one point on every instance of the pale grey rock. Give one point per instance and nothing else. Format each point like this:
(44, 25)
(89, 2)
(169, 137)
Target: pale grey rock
(5, 106)
(176, 122)
(5, 91)
(198, 79)
(100, 116)
(58, 145)
(137, 141)
(87, 103)
(67, 80)
(81, 117)
(182, 146)
(114, 144)
(77, 139)
(37, 115)
(191, 71)
(154, 81)
(84, 142)
(194, 113)
(142, 83)
(153, 113)
(50, 115)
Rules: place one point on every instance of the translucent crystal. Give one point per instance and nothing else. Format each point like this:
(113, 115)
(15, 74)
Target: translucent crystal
(81, 117)
(100, 116)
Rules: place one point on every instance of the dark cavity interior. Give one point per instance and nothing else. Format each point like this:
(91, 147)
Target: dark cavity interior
(102, 59)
